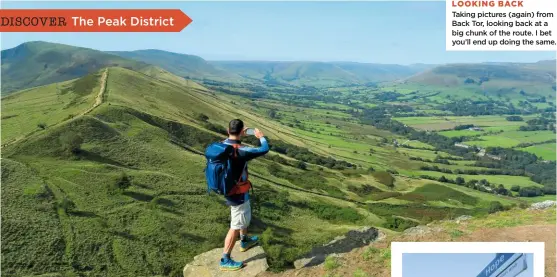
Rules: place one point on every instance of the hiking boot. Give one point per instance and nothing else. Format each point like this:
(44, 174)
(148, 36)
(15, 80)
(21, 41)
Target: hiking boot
(230, 265)
(248, 243)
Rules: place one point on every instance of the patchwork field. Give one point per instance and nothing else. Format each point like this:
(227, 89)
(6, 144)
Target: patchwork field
(547, 151)
(513, 138)
(438, 123)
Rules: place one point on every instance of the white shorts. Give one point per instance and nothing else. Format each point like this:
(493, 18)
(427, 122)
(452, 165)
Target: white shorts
(240, 216)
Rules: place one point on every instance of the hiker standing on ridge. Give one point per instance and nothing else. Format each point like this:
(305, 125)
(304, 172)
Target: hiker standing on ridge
(227, 174)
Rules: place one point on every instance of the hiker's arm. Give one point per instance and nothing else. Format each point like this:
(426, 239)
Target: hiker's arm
(249, 153)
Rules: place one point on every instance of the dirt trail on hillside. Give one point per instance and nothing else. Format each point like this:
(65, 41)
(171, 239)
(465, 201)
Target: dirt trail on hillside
(354, 260)
(98, 102)
(100, 95)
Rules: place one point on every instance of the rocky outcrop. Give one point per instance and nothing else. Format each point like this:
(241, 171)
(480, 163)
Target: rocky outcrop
(463, 218)
(543, 205)
(342, 244)
(207, 264)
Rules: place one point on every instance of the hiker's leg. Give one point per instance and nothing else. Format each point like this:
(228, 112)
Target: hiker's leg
(247, 218)
(230, 240)
(247, 241)
(237, 223)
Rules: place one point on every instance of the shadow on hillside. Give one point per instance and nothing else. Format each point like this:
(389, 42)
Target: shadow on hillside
(83, 214)
(143, 186)
(165, 202)
(192, 237)
(125, 235)
(139, 196)
(94, 157)
(168, 210)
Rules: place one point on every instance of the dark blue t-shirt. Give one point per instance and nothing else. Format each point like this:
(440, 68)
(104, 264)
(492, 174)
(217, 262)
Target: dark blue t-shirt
(245, 154)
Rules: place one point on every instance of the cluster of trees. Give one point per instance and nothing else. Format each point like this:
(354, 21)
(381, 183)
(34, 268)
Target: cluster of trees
(481, 107)
(514, 118)
(539, 124)
(529, 191)
(463, 127)
(472, 81)
(398, 223)
(516, 172)
(527, 144)
(71, 143)
(386, 96)
(542, 172)
(436, 160)
(481, 185)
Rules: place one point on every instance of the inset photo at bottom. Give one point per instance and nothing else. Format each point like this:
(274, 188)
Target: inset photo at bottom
(467, 259)
(467, 264)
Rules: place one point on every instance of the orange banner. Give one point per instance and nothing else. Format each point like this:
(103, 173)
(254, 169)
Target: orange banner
(94, 20)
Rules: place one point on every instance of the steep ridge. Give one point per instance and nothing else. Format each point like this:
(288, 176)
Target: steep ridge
(39, 63)
(183, 65)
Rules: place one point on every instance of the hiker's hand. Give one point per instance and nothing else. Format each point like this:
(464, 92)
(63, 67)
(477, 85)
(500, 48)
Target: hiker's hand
(258, 133)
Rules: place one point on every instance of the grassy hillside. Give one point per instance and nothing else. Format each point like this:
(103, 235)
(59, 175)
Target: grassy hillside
(534, 79)
(137, 155)
(38, 108)
(187, 66)
(39, 63)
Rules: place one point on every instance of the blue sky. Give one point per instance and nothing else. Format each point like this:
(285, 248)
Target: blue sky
(376, 32)
(449, 264)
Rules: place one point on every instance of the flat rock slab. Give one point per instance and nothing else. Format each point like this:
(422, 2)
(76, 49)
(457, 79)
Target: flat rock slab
(207, 264)
(340, 245)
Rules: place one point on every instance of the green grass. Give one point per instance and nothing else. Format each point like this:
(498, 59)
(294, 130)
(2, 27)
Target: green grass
(23, 112)
(505, 180)
(449, 122)
(513, 138)
(141, 226)
(435, 192)
(545, 151)
(134, 203)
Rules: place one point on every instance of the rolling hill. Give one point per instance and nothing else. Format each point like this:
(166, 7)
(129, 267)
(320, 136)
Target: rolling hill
(39, 63)
(322, 74)
(187, 66)
(534, 78)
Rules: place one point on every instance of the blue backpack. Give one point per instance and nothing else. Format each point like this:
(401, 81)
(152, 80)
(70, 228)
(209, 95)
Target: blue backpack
(219, 170)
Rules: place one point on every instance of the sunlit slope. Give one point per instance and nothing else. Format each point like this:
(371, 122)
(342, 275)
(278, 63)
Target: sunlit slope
(35, 109)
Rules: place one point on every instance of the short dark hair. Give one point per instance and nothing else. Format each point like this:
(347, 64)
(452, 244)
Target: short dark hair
(235, 126)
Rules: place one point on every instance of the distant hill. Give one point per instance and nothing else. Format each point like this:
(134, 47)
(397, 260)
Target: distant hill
(188, 66)
(39, 63)
(294, 73)
(319, 73)
(536, 77)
